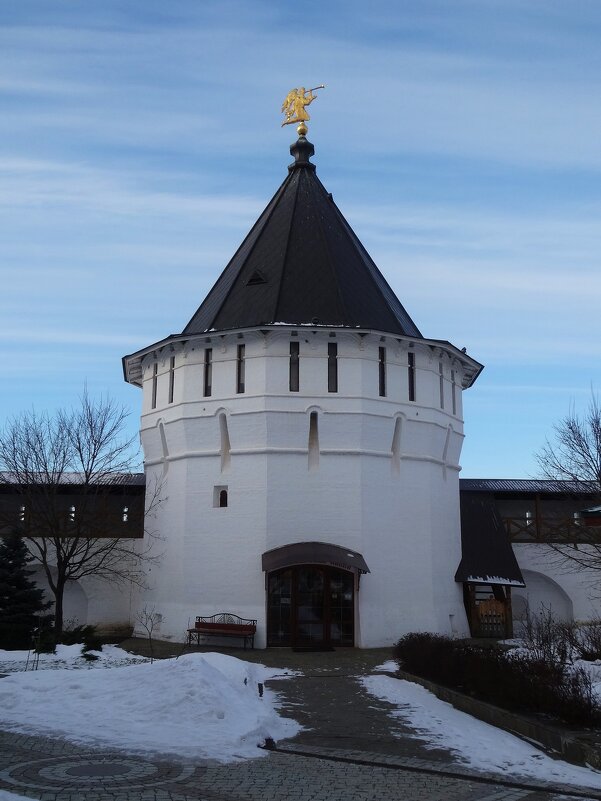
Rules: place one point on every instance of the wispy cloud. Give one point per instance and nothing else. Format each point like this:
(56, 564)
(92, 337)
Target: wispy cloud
(140, 141)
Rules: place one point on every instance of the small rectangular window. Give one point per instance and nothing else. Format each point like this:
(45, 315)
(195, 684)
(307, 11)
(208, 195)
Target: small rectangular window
(453, 391)
(382, 371)
(220, 497)
(441, 384)
(294, 366)
(171, 377)
(208, 373)
(240, 370)
(155, 371)
(411, 375)
(332, 367)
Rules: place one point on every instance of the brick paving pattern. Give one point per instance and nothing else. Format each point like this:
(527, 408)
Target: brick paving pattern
(350, 750)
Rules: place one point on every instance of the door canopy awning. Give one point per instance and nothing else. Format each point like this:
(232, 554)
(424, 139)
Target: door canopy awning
(487, 556)
(313, 553)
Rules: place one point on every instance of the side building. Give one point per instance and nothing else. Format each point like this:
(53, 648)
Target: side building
(514, 532)
(307, 437)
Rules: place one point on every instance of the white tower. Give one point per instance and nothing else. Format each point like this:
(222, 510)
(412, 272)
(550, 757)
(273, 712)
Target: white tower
(308, 439)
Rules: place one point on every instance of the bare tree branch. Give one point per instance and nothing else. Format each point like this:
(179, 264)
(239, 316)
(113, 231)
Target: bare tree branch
(69, 473)
(574, 454)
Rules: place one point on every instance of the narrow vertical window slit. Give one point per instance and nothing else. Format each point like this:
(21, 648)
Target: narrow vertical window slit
(240, 369)
(411, 375)
(294, 367)
(313, 441)
(155, 371)
(332, 367)
(171, 377)
(208, 373)
(382, 371)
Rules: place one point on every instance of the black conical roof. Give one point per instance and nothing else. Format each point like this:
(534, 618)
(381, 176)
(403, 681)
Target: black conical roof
(302, 264)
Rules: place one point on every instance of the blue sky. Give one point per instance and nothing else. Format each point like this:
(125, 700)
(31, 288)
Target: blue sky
(139, 141)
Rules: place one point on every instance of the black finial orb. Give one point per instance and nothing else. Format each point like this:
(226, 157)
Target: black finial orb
(302, 150)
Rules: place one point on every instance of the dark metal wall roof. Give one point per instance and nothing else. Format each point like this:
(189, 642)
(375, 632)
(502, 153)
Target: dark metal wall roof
(302, 264)
(525, 485)
(78, 479)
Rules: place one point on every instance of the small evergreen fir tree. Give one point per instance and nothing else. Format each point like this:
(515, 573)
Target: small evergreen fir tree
(21, 602)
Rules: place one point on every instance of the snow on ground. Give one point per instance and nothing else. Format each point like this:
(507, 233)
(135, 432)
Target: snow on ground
(390, 666)
(67, 657)
(197, 706)
(481, 746)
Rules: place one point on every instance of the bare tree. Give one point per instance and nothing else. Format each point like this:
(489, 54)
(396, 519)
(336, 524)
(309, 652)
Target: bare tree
(573, 455)
(149, 619)
(68, 475)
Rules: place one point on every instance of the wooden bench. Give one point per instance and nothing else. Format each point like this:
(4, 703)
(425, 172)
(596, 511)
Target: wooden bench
(223, 624)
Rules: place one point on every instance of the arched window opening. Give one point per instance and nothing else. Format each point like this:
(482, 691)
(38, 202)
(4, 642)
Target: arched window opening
(395, 448)
(225, 442)
(220, 497)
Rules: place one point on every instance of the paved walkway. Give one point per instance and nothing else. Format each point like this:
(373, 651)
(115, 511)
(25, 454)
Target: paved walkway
(350, 750)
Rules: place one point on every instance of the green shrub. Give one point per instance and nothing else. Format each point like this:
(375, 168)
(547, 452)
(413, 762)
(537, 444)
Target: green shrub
(515, 681)
(82, 634)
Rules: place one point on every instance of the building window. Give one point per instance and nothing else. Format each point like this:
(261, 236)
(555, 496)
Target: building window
(171, 377)
(313, 441)
(71, 514)
(382, 371)
(125, 514)
(220, 497)
(332, 367)
(208, 373)
(155, 371)
(453, 392)
(240, 369)
(441, 384)
(294, 366)
(22, 514)
(411, 375)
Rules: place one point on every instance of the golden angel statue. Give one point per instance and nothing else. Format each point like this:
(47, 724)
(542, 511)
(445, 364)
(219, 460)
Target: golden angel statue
(294, 106)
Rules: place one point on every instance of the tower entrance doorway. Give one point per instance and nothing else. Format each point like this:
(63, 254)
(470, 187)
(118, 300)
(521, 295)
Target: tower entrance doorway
(311, 606)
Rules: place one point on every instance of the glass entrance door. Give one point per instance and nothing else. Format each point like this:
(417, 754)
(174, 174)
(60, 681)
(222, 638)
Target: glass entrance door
(310, 605)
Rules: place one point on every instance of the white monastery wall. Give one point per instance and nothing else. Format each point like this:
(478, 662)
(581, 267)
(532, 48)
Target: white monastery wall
(571, 593)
